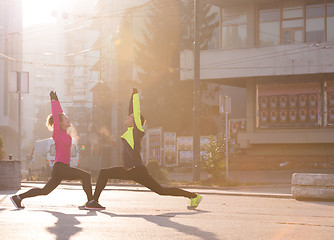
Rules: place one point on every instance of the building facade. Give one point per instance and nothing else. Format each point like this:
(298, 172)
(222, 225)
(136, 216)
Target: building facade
(10, 63)
(281, 51)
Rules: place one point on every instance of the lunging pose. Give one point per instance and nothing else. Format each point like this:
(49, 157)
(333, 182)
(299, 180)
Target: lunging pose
(58, 122)
(133, 166)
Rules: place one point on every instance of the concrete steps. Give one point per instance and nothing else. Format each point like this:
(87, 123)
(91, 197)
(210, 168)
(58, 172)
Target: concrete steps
(311, 186)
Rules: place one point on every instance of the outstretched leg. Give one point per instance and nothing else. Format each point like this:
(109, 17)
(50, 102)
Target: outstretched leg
(104, 175)
(53, 182)
(70, 173)
(49, 187)
(109, 173)
(142, 176)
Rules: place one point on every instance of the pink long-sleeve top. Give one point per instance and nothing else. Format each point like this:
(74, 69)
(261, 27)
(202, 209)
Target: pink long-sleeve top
(63, 140)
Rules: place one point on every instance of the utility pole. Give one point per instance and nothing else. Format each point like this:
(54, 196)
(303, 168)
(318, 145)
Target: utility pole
(18, 79)
(20, 88)
(196, 95)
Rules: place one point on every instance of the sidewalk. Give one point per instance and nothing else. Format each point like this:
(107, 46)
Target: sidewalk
(273, 184)
(270, 183)
(268, 177)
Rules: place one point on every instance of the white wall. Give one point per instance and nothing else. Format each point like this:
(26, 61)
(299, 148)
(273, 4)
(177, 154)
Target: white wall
(260, 61)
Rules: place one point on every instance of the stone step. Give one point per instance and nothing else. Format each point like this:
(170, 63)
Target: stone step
(311, 186)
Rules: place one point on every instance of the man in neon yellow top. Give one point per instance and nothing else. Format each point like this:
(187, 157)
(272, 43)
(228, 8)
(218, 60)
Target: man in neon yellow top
(132, 137)
(133, 168)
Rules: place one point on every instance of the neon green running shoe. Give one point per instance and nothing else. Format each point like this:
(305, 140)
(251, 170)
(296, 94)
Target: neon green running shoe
(194, 202)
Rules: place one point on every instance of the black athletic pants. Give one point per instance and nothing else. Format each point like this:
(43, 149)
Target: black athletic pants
(62, 171)
(139, 175)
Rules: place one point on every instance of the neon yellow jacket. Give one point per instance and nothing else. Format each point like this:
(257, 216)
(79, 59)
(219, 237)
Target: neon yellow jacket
(132, 137)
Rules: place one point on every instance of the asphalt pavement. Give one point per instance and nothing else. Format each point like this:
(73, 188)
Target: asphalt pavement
(260, 206)
(133, 212)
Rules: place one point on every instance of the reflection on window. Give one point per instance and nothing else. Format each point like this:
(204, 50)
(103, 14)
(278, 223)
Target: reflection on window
(269, 25)
(73, 151)
(292, 22)
(234, 28)
(315, 24)
(52, 150)
(292, 9)
(214, 42)
(330, 20)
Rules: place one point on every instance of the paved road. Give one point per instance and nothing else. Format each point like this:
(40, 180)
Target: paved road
(134, 213)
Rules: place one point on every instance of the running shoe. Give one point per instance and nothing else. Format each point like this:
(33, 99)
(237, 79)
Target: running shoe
(17, 202)
(94, 205)
(194, 202)
(83, 207)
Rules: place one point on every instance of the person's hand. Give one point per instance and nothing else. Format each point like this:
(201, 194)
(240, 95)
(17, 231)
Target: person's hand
(53, 96)
(134, 91)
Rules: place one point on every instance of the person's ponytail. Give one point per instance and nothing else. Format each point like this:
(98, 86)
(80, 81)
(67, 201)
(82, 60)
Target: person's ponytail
(49, 122)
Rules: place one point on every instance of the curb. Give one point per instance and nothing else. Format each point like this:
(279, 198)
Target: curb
(200, 189)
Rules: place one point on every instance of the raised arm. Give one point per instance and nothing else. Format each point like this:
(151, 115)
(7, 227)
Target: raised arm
(56, 109)
(135, 109)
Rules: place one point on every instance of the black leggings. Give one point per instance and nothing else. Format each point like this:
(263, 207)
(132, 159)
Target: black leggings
(139, 175)
(61, 171)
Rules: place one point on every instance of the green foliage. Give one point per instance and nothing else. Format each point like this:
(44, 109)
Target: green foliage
(214, 161)
(208, 24)
(2, 149)
(156, 171)
(168, 29)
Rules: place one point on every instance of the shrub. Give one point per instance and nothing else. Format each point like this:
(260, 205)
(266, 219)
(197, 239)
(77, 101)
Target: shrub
(214, 161)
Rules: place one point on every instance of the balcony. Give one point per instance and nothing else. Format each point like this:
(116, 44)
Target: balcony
(292, 59)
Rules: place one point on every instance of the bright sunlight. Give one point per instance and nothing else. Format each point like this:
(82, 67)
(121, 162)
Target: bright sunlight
(43, 11)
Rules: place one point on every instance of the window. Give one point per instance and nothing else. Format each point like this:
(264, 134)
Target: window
(315, 22)
(295, 21)
(234, 27)
(330, 20)
(73, 151)
(269, 24)
(214, 42)
(292, 21)
(52, 150)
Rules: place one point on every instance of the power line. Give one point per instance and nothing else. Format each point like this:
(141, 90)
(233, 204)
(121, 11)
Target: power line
(264, 56)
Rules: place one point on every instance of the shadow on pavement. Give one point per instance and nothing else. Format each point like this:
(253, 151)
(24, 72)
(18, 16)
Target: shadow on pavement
(66, 227)
(164, 220)
(6, 193)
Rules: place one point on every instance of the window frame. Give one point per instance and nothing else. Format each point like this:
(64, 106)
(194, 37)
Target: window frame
(292, 29)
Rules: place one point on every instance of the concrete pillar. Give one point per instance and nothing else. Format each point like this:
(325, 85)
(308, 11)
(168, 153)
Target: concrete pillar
(10, 174)
(251, 106)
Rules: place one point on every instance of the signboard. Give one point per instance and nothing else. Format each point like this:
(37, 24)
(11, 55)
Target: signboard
(155, 138)
(289, 105)
(224, 104)
(170, 149)
(185, 150)
(18, 82)
(330, 103)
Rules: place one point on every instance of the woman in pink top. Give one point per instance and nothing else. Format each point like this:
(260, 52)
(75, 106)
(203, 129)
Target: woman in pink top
(61, 170)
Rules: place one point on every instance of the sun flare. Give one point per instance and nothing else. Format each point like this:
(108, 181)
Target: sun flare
(41, 11)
